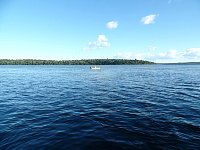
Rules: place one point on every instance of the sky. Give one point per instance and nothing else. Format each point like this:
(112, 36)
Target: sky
(154, 30)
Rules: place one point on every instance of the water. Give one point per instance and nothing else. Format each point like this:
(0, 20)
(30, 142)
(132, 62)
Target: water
(117, 107)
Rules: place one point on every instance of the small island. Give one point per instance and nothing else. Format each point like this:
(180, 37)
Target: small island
(74, 62)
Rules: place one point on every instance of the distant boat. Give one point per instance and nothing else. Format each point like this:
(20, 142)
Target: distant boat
(95, 68)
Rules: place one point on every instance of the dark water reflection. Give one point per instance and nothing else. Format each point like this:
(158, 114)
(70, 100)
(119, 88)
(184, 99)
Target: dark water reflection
(117, 107)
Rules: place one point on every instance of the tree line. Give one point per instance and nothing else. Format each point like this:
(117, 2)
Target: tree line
(73, 62)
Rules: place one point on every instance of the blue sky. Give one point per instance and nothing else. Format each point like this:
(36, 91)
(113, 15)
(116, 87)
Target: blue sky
(155, 30)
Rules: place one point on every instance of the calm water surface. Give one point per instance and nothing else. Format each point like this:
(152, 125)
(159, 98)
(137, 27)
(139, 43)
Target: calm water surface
(117, 107)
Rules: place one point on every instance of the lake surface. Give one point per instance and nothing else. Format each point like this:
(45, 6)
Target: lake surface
(117, 107)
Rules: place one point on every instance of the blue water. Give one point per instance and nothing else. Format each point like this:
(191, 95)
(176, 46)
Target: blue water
(117, 107)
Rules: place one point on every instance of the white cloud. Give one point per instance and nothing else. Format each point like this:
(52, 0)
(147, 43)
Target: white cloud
(169, 55)
(149, 19)
(112, 25)
(192, 53)
(101, 42)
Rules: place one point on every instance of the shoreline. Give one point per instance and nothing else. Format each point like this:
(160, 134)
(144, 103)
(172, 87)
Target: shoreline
(74, 62)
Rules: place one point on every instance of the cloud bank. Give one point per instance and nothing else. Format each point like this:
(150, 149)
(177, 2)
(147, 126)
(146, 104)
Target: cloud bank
(191, 54)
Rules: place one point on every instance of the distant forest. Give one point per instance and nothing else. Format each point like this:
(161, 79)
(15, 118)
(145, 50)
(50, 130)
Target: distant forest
(182, 63)
(73, 62)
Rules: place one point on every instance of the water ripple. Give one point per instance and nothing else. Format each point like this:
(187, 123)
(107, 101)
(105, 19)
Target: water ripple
(117, 107)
